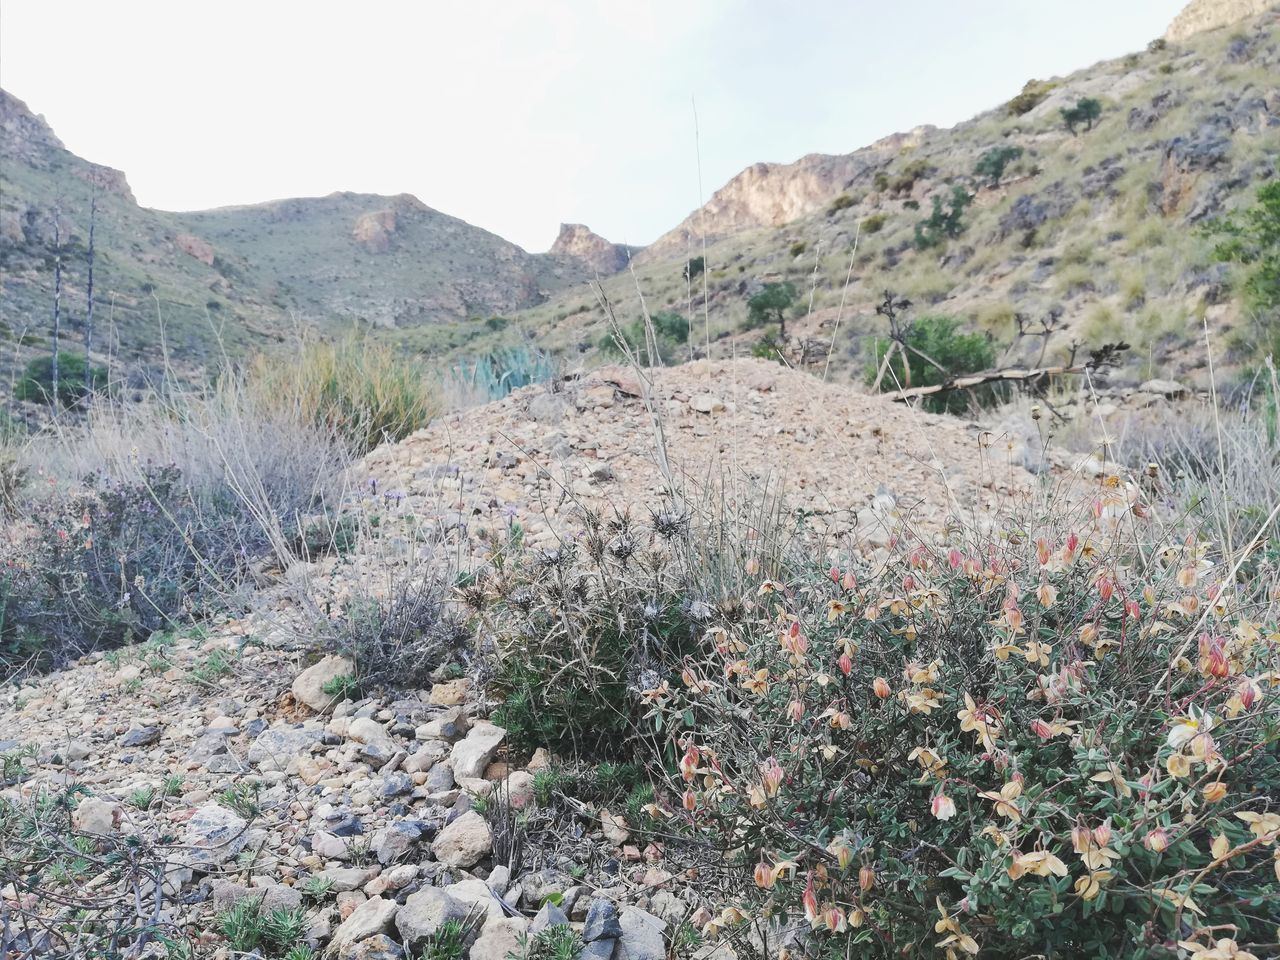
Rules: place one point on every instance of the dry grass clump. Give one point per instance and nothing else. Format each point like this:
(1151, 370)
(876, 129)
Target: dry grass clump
(361, 389)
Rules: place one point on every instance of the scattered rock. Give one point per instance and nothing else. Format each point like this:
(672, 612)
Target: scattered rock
(642, 936)
(140, 737)
(308, 686)
(464, 842)
(500, 939)
(602, 921)
(95, 816)
(424, 913)
(472, 755)
(276, 746)
(213, 835)
(394, 841)
(372, 917)
(615, 828)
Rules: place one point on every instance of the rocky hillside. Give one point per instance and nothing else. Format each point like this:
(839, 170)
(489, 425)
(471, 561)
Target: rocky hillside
(245, 275)
(1101, 228)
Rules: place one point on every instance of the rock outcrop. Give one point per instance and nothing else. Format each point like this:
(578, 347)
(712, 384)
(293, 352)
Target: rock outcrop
(374, 231)
(1200, 15)
(773, 194)
(578, 241)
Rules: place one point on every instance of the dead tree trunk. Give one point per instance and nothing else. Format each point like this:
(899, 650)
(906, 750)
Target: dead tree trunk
(57, 298)
(88, 316)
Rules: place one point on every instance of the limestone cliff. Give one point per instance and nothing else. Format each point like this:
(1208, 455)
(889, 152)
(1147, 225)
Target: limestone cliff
(1200, 15)
(578, 241)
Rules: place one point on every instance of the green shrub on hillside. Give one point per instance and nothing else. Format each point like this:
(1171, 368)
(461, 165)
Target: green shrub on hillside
(993, 162)
(1086, 111)
(875, 223)
(670, 332)
(1033, 94)
(770, 305)
(943, 223)
(36, 383)
(1251, 238)
(695, 266)
(940, 339)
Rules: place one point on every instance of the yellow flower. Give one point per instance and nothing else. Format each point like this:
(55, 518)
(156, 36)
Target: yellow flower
(1005, 800)
(835, 609)
(1040, 863)
(928, 759)
(923, 701)
(1003, 648)
(1178, 765)
(1265, 826)
(1089, 887)
(1219, 846)
(1047, 595)
(1214, 792)
(757, 683)
(1224, 949)
(1038, 652)
(1115, 777)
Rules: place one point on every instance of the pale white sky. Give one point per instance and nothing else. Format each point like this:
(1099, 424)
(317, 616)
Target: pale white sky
(518, 115)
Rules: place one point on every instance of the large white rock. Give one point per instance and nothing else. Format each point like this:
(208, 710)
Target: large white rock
(373, 916)
(308, 686)
(424, 913)
(470, 756)
(500, 939)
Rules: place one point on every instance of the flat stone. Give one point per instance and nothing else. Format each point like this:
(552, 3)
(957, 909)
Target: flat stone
(549, 916)
(96, 816)
(140, 737)
(395, 841)
(501, 938)
(473, 754)
(213, 836)
(642, 936)
(602, 921)
(276, 746)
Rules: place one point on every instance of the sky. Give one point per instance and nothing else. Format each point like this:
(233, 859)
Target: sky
(516, 116)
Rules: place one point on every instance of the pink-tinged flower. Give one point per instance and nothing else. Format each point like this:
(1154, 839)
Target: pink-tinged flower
(689, 762)
(908, 583)
(1132, 610)
(810, 899)
(849, 581)
(1047, 595)
(1214, 792)
(690, 801)
(880, 686)
(1069, 549)
(954, 558)
(1157, 840)
(771, 775)
(845, 663)
(795, 710)
(1106, 588)
(833, 919)
(764, 876)
(842, 852)
(942, 806)
(866, 877)
(835, 574)
(1043, 551)
(1102, 833)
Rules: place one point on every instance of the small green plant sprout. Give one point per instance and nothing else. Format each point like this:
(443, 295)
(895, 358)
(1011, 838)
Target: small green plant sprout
(993, 162)
(560, 942)
(207, 672)
(142, 798)
(242, 798)
(1086, 111)
(449, 942)
(344, 687)
(13, 765)
(316, 887)
(241, 924)
(173, 784)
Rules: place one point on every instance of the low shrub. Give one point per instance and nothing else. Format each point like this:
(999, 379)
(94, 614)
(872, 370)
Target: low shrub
(398, 640)
(570, 635)
(35, 385)
(670, 334)
(1034, 92)
(874, 223)
(497, 373)
(1061, 735)
(939, 339)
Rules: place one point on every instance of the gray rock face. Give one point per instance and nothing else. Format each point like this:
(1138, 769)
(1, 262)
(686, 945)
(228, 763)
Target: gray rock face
(549, 916)
(276, 746)
(499, 939)
(377, 947)
(140, 737)
(424, 913)
(602, 921)
(642, 936)
(213, 835)
(394, 841)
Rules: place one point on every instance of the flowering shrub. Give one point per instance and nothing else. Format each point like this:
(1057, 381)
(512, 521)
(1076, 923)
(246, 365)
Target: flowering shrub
(1063, 741)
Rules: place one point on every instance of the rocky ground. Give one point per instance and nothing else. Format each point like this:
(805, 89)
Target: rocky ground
(381, 798)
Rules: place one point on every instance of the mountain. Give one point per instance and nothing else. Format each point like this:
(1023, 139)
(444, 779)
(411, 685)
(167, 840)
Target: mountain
(194, 284)
(1100, 232)
(1097, 231)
